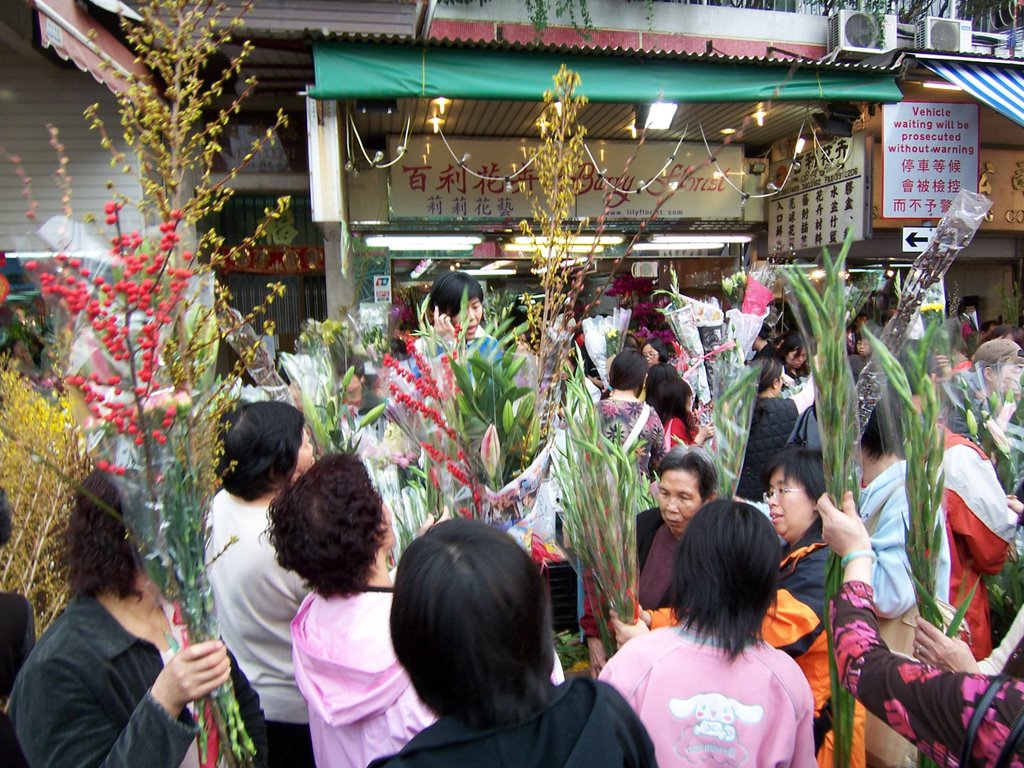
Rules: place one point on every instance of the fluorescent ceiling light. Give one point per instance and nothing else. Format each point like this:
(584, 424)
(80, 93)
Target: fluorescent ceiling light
(499, 264)
(659, 115)
(709, 246)
(663, 239)
(582, 240)
(523, 248)
(493, 272)
(424, 242)
(941, 85)
(727, 131)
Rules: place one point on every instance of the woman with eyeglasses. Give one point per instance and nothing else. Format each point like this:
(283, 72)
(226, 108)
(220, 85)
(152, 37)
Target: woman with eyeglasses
(796, 624)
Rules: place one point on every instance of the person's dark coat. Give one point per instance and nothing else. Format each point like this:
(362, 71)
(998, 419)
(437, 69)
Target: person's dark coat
(586, 724)
(82, 699)
(773, 422)
(17, 636)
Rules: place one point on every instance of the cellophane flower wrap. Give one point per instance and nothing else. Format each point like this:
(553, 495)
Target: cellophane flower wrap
(140, 374)
(604, 336)
(733, 411)
(823, 321)
(748, 312)
(923, 438)
(602, 493)
(478, 426)
(323, 351)
(993, 419)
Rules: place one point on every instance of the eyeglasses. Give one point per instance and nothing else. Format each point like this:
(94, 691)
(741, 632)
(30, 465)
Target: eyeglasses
(778, 491)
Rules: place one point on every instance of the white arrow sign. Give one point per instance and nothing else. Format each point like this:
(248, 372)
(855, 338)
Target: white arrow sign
(916, 238)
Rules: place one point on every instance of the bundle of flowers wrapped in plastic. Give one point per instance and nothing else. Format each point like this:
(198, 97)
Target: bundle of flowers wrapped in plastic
(604, 336)
(140, 375)
(322, 352)
(823, 321)
(750, 302)
(733, 411)
(602, 493)
(478, 427)
(987, 399)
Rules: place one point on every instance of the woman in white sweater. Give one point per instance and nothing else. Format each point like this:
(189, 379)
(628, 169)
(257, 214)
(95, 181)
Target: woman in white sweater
(266, 446)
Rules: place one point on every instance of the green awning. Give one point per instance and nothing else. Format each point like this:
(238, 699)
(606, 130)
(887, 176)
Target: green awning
(368, 71)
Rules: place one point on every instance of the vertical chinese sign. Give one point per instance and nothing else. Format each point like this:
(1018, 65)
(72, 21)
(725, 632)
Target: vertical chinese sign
(823, 195)
(930, 153)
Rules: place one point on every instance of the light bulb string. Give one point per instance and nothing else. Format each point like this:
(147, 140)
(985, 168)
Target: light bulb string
(602, 174)
(462, 163)
(353, 129)
(747, 195)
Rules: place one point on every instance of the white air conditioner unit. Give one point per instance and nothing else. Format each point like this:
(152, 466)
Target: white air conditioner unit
(858, 33)
(937, 34)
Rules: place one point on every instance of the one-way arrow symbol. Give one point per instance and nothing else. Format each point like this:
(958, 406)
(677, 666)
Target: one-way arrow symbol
(915, 238)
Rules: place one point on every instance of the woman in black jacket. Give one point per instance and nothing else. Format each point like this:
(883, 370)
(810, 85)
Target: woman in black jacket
(770, 428)
(103, 686)
(471, 624)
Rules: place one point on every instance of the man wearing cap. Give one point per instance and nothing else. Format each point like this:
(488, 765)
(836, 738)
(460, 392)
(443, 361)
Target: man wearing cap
(980, 518)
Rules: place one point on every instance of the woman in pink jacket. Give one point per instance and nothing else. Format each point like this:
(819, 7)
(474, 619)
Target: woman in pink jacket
(331, 528)
(709, 690)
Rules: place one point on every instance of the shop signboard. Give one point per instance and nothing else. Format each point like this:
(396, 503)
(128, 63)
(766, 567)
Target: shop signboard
(929, 154)
(823, 196)
(430, 183)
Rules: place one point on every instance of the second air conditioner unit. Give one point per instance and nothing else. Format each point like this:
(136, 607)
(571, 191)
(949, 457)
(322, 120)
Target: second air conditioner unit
(858, 33)
(938, 34)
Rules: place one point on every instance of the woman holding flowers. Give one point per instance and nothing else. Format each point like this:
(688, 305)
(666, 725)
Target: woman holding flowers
(796, 624)
(112, 681)
(709, 689)
(626, 417)
(455, 307)
(331, 528)
(266, 446)
(687, 479)
(934, 710)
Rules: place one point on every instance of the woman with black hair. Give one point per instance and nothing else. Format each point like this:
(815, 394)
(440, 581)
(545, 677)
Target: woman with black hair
(770, 426)
(266, 445)
(676, 400)
(687, 479)
(793, 355)
(795, 480)
(626, 417)
(112, 681)
(710, 690)
(471, 623)
(656, 351)
(331, 528)
(657, 374)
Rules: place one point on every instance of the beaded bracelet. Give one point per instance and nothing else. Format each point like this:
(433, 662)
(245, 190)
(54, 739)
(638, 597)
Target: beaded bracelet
(858, 553)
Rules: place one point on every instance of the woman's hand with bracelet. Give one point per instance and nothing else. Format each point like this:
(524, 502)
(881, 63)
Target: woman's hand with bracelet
(846, 535)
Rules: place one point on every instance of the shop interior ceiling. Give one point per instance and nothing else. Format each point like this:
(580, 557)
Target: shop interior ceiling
(284, 70)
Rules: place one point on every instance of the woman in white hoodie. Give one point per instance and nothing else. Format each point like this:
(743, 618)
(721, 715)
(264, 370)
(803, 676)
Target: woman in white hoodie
(331, 528)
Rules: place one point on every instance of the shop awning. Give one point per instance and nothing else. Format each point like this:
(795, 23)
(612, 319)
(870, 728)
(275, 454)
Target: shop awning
(384, 71)
(74, 35)
(1000, 87)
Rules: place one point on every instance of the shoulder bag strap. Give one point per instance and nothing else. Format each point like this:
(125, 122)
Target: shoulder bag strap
(979, 714)
(1013, 742)
(641, 422)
